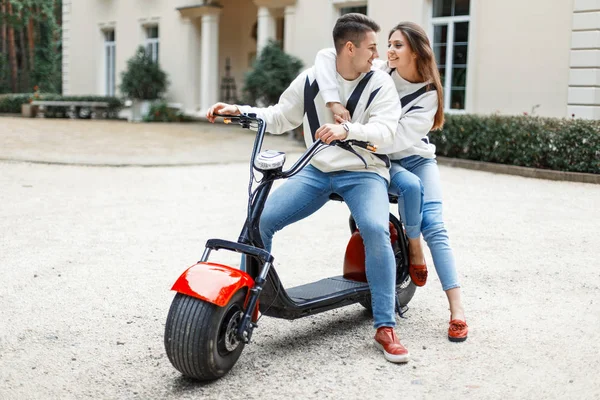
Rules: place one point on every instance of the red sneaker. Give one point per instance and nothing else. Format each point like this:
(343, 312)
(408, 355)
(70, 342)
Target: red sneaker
(387, 341)
(418, 274)
(458, 330)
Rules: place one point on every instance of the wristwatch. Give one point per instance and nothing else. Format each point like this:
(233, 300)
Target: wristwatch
(346, 127)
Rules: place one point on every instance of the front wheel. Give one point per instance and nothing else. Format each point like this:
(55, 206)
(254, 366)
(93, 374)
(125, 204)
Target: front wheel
(200, 337)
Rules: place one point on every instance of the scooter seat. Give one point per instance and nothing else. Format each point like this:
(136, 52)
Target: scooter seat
(336, 197)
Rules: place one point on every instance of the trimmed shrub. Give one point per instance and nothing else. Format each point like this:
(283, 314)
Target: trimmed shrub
(271, 74)
(11, 103)
(143, 79)
(571, 145)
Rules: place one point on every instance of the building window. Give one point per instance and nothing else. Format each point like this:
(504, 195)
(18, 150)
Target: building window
(109, 61)
(359, 9)
(152, 42)
(450, 19)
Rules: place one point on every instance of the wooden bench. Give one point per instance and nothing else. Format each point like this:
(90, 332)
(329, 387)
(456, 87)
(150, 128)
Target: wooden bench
(75, 109)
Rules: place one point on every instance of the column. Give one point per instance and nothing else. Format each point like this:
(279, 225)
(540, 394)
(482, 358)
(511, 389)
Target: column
(209, 72)
(66, 52)
(191, 93)
(289, 26)
(266, 28)
(584, 77)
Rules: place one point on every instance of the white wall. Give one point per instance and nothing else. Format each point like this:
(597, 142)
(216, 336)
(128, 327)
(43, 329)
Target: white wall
(314, 25)
(519, 51)
(521, 56)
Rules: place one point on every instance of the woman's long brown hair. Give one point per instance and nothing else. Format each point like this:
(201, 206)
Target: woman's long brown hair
(426, 64)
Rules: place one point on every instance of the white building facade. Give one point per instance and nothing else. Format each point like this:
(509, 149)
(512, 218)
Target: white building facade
(496, 56)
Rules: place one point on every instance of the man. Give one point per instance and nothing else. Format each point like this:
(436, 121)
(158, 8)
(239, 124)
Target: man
(373, 99)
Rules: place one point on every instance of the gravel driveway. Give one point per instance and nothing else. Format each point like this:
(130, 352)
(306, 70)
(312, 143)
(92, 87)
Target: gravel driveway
(88, 255)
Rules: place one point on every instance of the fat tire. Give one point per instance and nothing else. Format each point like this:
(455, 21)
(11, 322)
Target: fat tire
(192, 337)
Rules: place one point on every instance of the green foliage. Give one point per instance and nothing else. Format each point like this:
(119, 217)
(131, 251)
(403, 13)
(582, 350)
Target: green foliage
(143, 79)
(161, 112)
(4, 73)
(48, 59)
(272, 73)
(47, 52)
(11, 103)
(571, 145)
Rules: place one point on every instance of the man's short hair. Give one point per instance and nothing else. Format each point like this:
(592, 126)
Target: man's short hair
(352, 27)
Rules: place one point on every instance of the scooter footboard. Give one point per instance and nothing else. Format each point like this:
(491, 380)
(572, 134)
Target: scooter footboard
(215, 283)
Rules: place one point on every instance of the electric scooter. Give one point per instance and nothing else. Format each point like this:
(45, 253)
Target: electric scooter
(216, 308)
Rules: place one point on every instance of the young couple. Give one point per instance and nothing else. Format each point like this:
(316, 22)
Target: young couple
(349, 94)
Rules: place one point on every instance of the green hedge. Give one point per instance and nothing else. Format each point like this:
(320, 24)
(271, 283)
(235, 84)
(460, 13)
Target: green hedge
(11, 103)
(548, 143)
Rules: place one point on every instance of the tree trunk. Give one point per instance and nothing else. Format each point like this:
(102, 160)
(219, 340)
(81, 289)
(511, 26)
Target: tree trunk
(12, 54)
(31, 37)
(25, 86)
(3, 27)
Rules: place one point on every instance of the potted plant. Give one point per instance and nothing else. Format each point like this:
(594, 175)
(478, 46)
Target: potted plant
(272, 73)
(27, 109)
(143, 81)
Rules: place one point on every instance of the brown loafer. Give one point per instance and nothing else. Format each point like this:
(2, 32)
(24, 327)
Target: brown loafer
(458, 331)
(418, 274)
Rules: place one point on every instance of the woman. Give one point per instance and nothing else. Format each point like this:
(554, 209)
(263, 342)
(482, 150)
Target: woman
(414, 172)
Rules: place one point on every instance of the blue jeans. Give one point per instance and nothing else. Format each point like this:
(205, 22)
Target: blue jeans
(403, 174)
(365, 193)
(409, 189)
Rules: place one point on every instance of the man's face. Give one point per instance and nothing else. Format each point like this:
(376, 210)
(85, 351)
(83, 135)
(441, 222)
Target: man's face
(365, 53)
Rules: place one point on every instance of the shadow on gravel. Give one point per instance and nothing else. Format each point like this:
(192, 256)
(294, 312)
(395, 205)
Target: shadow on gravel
(182, 385)
(322, 330)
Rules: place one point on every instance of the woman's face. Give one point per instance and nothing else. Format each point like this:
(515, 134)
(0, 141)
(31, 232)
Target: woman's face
(400, 55)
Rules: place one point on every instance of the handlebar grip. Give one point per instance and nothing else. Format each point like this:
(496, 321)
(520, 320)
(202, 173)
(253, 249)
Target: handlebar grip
(365, 145)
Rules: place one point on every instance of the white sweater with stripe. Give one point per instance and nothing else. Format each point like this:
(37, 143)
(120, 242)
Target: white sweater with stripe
(418, 105)
(375, 118)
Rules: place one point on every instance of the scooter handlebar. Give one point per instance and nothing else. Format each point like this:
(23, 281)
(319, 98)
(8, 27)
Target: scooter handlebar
(246, 119)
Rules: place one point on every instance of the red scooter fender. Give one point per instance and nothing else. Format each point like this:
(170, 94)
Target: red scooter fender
(354, 260)
(215, 283)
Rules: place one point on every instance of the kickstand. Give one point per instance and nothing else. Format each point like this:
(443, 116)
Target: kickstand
(401, 310)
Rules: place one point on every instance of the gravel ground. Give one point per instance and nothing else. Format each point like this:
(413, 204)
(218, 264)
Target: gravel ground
(88, 255)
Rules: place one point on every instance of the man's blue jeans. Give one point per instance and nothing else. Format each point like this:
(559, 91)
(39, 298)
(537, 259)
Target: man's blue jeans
(366, 195)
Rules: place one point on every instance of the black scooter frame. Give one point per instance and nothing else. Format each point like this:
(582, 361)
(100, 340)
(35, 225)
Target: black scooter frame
(275, 301)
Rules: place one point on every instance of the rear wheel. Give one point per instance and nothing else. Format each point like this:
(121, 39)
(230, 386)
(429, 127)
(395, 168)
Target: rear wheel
(200, 337)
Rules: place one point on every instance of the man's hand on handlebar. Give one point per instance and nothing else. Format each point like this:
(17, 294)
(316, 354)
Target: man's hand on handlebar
(221, 108)
(330, 132)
